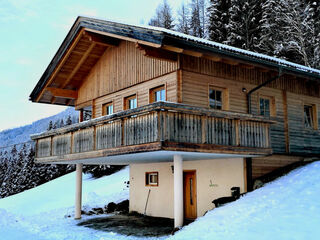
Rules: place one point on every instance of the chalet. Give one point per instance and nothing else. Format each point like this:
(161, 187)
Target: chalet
(193, 118)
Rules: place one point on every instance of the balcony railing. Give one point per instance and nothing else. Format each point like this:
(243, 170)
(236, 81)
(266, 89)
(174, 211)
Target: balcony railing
(157, 126)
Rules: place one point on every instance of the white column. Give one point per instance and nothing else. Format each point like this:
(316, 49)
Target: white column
(178, 191)
(78, 201)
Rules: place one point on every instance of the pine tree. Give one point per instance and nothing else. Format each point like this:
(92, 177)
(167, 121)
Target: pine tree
(61, 123)
(56, 125)
(195, 21)
(50, 126)
(218, 20)
(69, 121)
(312, 20)
(183, 22)
(244, 24)
(163, 17)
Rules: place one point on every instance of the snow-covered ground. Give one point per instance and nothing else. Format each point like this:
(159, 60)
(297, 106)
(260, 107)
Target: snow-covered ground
(287, 208)
(42, 212)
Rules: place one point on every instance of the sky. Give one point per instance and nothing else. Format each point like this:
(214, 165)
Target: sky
(31, 33)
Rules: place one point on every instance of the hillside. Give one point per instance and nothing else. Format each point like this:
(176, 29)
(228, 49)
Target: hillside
(287, 208)
(22, 134)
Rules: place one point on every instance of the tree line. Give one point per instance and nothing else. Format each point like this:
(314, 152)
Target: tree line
(287, 29)
(20, 172)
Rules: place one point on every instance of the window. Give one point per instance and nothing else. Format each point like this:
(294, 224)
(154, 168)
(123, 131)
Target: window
(267, 106)
(85, 113)
(158, 94)
(310, 116)
(216, 98)
(130, 102)
(152, 179)
(107, 109)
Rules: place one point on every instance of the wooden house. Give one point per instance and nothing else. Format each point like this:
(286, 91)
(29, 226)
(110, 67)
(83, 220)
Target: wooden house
(191, 117)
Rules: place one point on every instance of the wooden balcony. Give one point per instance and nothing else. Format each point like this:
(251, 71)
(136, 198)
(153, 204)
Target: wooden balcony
(160, 126)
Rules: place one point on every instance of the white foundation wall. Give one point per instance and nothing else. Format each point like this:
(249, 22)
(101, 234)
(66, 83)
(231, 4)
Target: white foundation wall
(214, 178)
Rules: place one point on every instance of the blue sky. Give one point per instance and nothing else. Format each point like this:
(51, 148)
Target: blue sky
(31, 33)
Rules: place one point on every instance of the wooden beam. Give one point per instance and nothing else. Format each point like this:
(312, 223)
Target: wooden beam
(69, 102)
(124, 38)
(63, 93)
(247, 66)
(79, 64)
(193, 53)
(212, 58)
(172, 49)
(53, 100)
(61, 62)
(230, 62)
(101, 39)
(157, 53)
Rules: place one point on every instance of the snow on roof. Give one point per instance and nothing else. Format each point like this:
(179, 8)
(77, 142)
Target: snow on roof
(220, 46)
(228, 48)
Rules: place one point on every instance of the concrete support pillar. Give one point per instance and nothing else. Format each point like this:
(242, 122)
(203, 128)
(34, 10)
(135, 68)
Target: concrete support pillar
(78, 202)
(178, 191)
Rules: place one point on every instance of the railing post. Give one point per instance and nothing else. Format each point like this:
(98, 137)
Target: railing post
(94, 147)
(71, 143)
(122, 132)
(237, 131)
(204, 129)
(51, 146)
(159, 126)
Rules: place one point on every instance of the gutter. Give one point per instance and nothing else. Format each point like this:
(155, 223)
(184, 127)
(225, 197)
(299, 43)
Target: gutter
(260, 86)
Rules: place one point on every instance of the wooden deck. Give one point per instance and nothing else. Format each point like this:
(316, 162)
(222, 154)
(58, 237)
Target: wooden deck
(157, 126)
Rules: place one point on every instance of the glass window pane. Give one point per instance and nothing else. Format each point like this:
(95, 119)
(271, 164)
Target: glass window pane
(261, 106)
(162, 95)
(308, 116)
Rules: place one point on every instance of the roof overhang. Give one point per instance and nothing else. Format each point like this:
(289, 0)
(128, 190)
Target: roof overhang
(88, 39)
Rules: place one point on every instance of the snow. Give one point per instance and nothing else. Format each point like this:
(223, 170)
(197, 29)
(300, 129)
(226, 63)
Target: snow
(42, 212)
(220, 46)
(287, 208)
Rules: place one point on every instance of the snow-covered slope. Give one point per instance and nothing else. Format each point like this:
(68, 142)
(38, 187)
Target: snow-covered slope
(22, 134)
(41, 213)
(287, 208)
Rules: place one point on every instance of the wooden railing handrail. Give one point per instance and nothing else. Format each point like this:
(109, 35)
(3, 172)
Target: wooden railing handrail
(157, 106)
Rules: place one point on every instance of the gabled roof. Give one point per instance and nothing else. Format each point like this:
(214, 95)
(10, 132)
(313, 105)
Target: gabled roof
(158, 37)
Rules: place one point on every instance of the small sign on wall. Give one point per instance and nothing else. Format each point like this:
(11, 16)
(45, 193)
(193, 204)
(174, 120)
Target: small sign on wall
(213, 184)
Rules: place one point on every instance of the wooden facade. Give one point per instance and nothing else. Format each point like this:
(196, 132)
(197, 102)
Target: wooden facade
(101, 68)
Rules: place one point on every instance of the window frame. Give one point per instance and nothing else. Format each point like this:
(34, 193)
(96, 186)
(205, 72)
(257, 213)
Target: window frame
(272, 105)
(104, 108)
(152, 92)
(224, 97)
(147, 179)
(314, 116)
(127, 99)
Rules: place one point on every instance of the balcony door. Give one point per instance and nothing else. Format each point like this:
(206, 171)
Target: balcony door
(190, 194)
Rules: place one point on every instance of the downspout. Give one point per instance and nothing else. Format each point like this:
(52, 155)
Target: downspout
(260, 86)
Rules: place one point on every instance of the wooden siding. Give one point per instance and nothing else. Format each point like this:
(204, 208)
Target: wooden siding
(253, 76)
(302, 140)
(121, 67)
(142, 92)
(195, 88)
(264, 165)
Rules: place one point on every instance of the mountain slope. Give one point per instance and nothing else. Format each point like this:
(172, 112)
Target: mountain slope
(287, 208)
(22, 134)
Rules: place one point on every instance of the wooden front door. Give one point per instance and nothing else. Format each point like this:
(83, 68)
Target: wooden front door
(189, 194)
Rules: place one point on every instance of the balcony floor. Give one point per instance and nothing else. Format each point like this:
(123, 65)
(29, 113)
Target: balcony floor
(150, 157)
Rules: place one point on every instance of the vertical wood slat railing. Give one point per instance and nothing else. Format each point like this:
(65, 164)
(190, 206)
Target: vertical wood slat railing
(155, 125)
